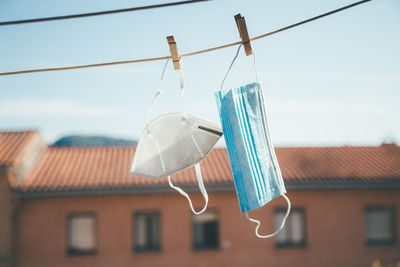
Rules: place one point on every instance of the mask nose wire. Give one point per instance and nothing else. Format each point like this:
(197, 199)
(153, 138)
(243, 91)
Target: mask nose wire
(159, 92)
(201, 186)
(280, 227)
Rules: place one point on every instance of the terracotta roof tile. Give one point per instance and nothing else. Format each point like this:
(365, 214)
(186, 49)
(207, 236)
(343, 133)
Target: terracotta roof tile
(13, 145)
(108, 167)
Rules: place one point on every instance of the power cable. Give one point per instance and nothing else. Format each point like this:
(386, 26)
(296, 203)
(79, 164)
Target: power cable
(99, 13)
(186, 54)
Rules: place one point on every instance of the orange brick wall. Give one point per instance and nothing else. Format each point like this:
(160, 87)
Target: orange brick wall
(6, 209)
(335, 231)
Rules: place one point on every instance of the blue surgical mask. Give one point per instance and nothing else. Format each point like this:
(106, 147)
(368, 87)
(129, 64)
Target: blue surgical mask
(255, 169)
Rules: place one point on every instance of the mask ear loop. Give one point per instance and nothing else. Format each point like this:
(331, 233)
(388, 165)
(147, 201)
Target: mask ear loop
(274, 157)
(280, 227)
(255, 68)
(182, 86)
(201, 186)
(266, 124)
(271, 149)
(197, 166)
(230, 66)
(159, 92)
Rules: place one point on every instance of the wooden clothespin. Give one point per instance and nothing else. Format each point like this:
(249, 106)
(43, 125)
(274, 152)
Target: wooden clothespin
(241, 24)
(174, 52)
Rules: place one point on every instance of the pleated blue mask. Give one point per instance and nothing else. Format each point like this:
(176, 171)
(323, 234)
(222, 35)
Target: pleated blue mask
(255, 169)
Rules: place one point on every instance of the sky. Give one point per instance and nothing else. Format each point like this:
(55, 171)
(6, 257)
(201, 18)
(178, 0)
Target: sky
(334, 81)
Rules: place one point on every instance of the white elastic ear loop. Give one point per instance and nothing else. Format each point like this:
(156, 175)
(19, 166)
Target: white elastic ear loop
(280, 227)
(255, 68)
(230, 66)
(201, 186)
(159, 92)
(182, 85)
(271, 149)
(287, 199)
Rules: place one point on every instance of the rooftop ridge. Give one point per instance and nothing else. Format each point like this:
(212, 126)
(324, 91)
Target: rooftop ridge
(75, 168)
(20, 131)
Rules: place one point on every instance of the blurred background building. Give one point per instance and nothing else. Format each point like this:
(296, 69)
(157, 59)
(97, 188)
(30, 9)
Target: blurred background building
(79, 206)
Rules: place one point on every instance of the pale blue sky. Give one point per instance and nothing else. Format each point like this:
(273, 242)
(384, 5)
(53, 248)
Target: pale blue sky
(335, 81)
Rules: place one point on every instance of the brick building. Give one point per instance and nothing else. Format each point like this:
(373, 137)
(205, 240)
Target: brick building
(81, 207)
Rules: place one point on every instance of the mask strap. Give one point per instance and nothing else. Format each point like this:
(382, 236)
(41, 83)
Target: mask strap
(286, 198)
(182, 86)
(271, 149)
(159, 92)
(201, 186)
(255, 68)
(230, 66)
(280, 227)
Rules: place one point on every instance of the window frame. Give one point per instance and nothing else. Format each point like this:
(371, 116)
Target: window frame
(290, 243)
(76, 252)
(147, 249)
(381, 242)
(196, 247)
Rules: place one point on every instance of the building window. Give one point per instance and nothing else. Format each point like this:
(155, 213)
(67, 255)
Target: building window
(206, 230)
(81, 239)
(293, 233)
(380, 225)
(147, 231)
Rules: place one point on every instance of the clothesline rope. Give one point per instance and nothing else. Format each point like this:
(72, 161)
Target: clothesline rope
(186, 54)
(99, 13)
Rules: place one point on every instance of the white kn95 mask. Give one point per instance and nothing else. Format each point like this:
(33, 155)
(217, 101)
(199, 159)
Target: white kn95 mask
(173, 142)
